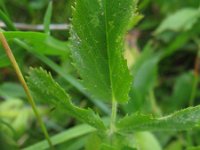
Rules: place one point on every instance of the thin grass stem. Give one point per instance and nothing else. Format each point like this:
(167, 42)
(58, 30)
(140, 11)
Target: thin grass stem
(23, 82)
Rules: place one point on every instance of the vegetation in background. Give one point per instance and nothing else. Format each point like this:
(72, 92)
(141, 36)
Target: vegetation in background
(124, 74)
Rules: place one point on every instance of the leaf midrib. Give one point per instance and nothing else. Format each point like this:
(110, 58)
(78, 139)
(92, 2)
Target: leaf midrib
(108, 50)
(92, 58)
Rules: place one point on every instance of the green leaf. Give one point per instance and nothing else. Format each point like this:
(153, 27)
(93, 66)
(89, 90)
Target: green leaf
(7, 21)
(97, 35)
(42, 43)
(75, 144)
(45, 88)
(144, 139)
(2, 5)
(4, 61)
(175, 145)
(181, 91)
(145, 75)
(182, 20)
(108, 147)
(65, 75)
(63, 137)
(11, 90)
(194, 148)
(128, 148)
(93, 142)
(47, 18)
(178, 42)
(181, 120)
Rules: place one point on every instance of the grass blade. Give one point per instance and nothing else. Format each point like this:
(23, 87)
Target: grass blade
(47, 18)
(63, 137)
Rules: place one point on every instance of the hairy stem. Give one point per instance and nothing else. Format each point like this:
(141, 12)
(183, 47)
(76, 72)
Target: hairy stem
(23, 82)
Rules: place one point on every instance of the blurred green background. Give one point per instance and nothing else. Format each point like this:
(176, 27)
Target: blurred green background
(162, 48)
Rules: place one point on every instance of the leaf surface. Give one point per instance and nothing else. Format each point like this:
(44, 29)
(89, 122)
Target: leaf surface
(181, 120)
(144, 81)
(41, 42)
(193, 148)
(11, 90)
(97, 35)
(7, 21)
(47, 17)
(182, 91)
(144, 139)
(183, 19)
(45, 88)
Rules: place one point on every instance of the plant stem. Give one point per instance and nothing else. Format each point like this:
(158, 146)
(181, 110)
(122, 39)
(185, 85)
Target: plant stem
(23, 82)
(113, 118)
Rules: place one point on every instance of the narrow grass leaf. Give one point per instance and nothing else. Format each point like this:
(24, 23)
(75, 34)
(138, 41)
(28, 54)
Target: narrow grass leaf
(41, 42)
(47, 18)
(7, 21)
(63, 137)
